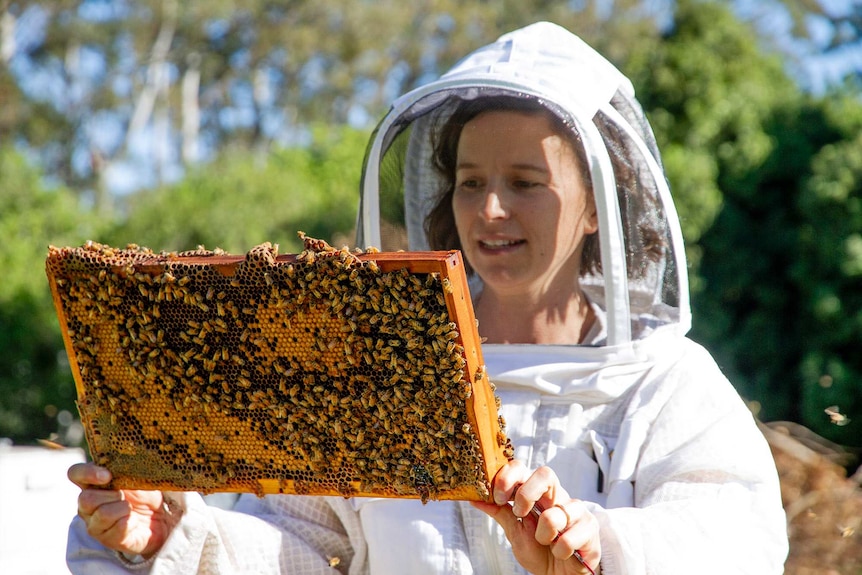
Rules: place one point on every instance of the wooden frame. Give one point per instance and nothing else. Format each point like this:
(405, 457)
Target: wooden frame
(326, 372)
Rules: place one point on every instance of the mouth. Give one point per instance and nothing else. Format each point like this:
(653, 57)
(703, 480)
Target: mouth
(500, 244)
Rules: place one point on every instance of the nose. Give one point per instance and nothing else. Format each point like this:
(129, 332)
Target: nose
(493, 206)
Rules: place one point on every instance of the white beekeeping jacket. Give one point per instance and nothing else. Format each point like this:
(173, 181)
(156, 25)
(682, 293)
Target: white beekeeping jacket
(638, 420)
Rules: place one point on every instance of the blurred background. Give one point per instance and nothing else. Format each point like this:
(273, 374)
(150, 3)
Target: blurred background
(175, 124)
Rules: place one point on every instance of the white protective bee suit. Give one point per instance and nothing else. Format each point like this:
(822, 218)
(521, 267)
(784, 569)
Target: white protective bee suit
(638, 420)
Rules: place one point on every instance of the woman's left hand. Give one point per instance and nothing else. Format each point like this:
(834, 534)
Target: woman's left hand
(545, 545)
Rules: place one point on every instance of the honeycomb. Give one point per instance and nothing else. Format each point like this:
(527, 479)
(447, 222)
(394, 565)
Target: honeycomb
(328, 372)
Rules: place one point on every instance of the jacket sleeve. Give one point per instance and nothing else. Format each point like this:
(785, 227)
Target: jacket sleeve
(274, 534)
(706, 491)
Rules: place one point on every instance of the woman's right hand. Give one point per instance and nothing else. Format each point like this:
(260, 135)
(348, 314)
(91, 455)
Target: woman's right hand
(129, 521)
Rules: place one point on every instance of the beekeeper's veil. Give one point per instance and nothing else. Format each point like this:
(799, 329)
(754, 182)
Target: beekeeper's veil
(641, 281)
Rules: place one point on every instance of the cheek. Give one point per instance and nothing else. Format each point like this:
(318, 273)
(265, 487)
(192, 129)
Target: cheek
(460, 209)
(459, 219)
(581, 216)
(456, 212)
(572, 226)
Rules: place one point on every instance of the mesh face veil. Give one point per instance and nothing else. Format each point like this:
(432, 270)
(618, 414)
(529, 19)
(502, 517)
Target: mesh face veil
(639, 277)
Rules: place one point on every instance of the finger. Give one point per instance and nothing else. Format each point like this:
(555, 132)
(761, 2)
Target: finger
(90, 500)
(110, 516)
(582, 535)
(589, 552)
(122, 531)
(542, 487)
(88, 474)
(507, 481)
(553, 522)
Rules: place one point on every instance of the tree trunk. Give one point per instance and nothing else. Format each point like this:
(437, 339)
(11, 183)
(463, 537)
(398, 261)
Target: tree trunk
(191, 109)
(7, 35)
(158, 55)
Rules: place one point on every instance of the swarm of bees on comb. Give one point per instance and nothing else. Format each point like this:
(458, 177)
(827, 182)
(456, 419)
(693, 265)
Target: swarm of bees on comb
(329, 372)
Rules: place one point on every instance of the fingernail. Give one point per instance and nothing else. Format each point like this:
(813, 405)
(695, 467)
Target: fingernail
(499, 499)
(103, 475)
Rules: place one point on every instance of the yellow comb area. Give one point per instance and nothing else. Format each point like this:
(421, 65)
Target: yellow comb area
(328, 372)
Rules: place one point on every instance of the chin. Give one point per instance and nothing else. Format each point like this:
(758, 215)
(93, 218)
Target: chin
(498, 280)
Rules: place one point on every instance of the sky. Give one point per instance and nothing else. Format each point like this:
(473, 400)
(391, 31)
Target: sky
(814, 68)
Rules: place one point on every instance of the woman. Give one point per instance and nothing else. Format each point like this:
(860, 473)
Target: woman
(637, 452)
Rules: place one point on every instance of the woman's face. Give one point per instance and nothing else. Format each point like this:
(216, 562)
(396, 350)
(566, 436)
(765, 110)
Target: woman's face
(520, 204)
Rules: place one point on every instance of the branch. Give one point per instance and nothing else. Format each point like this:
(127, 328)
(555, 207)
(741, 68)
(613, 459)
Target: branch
(158, 55)
(7, 35)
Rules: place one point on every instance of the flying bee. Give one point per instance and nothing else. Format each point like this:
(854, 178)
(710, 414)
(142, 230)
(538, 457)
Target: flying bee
(51, 443)
(836, 417)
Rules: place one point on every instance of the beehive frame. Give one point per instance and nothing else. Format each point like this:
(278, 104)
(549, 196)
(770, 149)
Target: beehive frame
(327, 372)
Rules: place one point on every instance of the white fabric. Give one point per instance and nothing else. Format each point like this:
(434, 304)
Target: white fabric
(648, 431)
(536, 55)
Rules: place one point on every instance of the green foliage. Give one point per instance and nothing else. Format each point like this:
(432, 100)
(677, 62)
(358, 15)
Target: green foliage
(35, 382)
(781, 303)
(245, 199)
(709, 89)
(716, 110)
(768, 186)
(828, 271)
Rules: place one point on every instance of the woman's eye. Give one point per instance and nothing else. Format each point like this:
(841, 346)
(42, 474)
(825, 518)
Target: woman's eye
(524, 184)
(469, 184)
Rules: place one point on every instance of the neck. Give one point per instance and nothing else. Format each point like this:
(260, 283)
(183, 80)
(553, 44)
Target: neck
(563, 319)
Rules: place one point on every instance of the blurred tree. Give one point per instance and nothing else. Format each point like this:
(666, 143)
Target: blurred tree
(244, 200)
(709, 89)
(767, 181)
(710, 93)
(35, 381)
(828, 270)
(146, 87)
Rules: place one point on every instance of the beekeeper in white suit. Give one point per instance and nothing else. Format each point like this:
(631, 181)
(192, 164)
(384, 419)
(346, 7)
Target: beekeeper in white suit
(633, 453)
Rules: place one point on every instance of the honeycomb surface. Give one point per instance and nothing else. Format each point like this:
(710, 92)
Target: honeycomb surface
(327, 372)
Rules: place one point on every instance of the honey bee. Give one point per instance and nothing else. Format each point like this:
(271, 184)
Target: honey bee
(835, 416)
(51, 443)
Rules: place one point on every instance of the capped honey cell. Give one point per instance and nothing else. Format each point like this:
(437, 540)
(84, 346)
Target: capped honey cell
(328, 372)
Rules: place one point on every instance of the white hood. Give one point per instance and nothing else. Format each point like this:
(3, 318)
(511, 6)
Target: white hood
(641, 295)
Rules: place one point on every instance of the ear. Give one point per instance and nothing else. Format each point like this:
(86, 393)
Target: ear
(591, 216)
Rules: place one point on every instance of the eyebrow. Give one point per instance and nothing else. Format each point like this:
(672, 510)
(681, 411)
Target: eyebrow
(530, 167)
